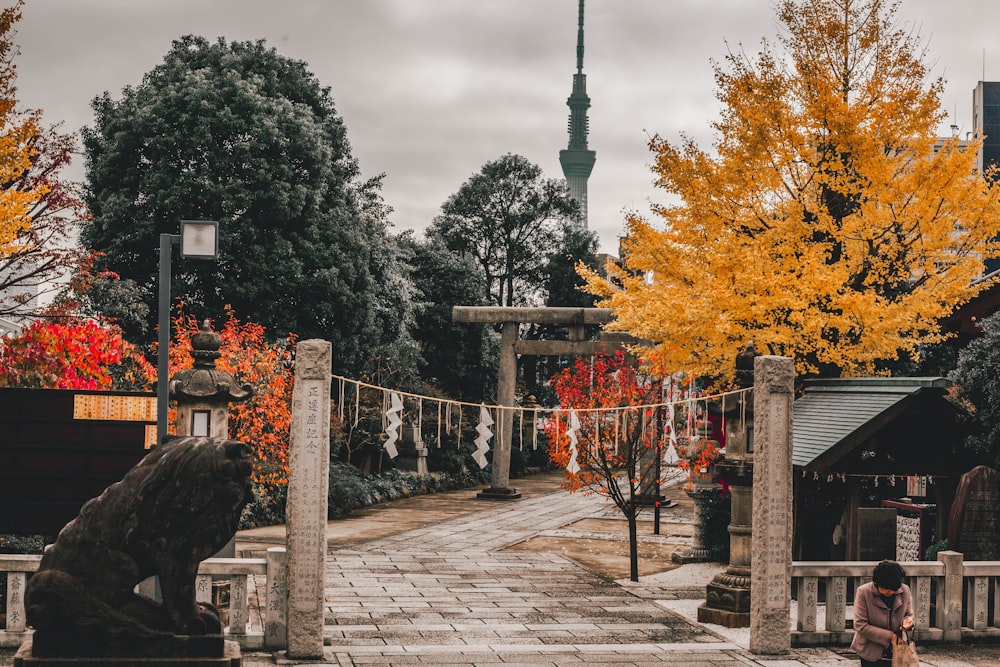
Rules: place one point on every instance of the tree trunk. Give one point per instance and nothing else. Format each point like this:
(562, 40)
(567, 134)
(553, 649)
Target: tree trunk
(633, 544)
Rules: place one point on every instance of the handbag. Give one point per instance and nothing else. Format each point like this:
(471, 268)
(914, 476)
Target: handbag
(904, 654)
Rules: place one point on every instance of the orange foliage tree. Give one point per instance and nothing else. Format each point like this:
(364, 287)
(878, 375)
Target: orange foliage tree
(263, 421)
(825, 224)
(72, 354)
(18, 133)
(608, 434)
(40, 211)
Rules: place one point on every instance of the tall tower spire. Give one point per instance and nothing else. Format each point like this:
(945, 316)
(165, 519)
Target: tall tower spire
(577, 161)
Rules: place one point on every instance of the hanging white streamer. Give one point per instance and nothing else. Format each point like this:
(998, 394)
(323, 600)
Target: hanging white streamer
(534, 430)
(670, 456)
(574, 425)
(483, 439)
(340, 400)
(357, 405)
(394, 421)
(520, 429)
(439, 426)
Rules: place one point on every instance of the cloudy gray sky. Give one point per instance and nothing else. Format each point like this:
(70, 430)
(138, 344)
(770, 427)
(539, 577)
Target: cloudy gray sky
(430, 90)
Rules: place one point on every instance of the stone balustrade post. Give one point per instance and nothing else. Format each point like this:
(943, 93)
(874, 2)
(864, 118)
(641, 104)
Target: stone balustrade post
(276, 599)
(950, 599)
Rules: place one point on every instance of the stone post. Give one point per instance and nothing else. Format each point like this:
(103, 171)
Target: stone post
(771, 541)
(276, 614)
(412, 450)
(950, 599)
(308, 483)
(506, 381)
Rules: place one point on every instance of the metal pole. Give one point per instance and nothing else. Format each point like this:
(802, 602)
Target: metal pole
(659, 496)
(163, 348)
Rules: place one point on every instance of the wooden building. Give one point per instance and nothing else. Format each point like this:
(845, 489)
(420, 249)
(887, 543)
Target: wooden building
(860, 441)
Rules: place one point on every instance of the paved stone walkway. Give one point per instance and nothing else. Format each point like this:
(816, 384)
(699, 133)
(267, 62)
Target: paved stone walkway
(448, 594)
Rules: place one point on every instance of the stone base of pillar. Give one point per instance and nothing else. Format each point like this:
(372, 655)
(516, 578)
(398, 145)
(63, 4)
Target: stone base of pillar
(412, 458)
(727, 619)
(229, 656)
(649, 500)
(727, 600)
(692, 556)
(498, 493)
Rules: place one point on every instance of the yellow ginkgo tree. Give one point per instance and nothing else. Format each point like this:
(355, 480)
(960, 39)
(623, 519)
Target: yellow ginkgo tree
(18, 134)
(823, 225)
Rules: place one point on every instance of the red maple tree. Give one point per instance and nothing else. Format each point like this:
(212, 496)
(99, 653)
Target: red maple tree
(608, 435)
(72, 354)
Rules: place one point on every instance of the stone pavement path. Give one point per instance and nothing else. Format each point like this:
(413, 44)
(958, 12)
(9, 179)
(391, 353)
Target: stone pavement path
(448, 594)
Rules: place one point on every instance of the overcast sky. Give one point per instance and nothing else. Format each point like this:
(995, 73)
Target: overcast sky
(430, 90)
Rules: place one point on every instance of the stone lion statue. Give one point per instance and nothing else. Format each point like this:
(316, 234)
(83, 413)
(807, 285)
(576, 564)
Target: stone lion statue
(179, 505)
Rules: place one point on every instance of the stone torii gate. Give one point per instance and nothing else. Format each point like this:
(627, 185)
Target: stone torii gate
(511, 318)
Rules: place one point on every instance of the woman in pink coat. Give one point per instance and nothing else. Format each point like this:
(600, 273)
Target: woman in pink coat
(882, 608)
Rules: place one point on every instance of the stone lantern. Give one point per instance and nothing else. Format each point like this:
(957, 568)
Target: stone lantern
(727, 596)
(204, 392)
(704, 489)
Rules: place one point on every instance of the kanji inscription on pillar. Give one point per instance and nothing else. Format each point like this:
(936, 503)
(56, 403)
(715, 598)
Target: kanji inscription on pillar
(777, 546)
(309, 462)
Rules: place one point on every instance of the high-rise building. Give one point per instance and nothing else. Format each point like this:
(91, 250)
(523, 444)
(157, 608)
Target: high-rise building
(986, 122)
(577, 160)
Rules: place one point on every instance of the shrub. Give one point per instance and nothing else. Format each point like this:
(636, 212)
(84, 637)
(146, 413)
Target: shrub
(933, 549)
(524, 458)
(457, 463)
(266, 508)
(714, 526)
(352, 489)
(21, 544)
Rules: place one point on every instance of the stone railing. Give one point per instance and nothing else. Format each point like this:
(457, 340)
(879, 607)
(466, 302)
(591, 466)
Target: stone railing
(257, 588)
(951, 599)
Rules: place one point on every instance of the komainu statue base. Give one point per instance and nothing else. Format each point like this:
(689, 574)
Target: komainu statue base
(176, 507)
(229, 656)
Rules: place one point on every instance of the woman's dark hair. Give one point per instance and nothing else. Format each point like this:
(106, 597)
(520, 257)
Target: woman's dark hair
(888, 574)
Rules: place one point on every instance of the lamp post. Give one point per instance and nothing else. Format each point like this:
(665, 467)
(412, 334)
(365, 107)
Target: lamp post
(199, 239)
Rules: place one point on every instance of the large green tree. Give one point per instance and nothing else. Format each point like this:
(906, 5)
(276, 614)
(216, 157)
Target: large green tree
(564, 284)
(977, 376)
(822, 225)
(509, 219)
(458, 359)
(563, 289)
(237, 133)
